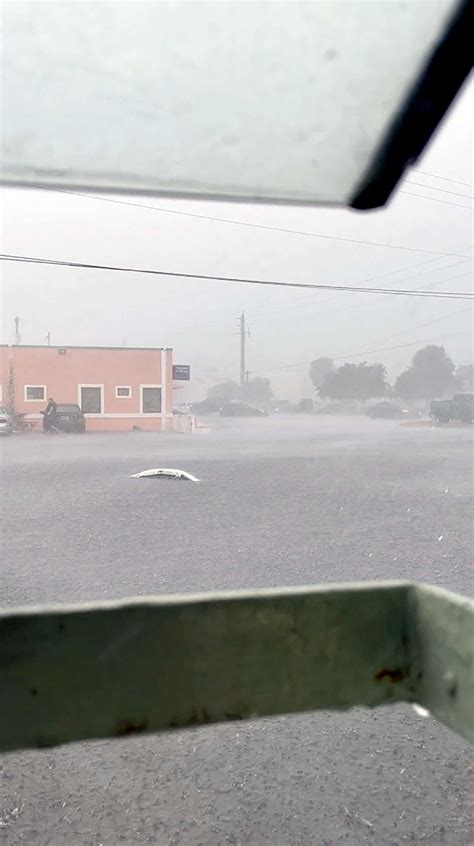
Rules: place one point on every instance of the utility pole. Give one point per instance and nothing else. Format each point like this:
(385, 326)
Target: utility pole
(11, 382)
(242, 349)
(243, 334)
(17, 331)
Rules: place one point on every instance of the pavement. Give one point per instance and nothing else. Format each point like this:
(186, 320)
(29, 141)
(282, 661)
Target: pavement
(282, 501)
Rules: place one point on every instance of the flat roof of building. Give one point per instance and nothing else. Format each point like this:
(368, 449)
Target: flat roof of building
(83, 347)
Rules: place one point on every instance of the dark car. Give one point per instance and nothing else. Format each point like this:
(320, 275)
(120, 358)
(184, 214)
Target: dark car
(241, 409)
(69, 418)
(460, 408)
(387, 410)
(348, 408)
(211, 405)
(6, 421)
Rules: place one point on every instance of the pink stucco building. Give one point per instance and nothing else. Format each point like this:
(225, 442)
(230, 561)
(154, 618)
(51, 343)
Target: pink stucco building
(117, 387)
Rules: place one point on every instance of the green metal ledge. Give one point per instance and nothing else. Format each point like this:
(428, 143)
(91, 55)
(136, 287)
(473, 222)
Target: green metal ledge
(150, 665)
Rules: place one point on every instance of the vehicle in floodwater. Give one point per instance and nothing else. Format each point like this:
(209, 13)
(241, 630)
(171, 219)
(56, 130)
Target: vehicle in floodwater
(460, 408)
(242, 409)
(386, 410)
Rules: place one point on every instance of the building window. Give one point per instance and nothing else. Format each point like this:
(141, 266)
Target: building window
(123, 392)
(151, 399)
(90, 398)
(35, 393)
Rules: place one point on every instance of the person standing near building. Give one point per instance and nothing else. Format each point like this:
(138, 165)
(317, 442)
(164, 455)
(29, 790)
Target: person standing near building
(49, 414)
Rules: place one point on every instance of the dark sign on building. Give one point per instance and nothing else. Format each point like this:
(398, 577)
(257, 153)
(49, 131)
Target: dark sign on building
(181, 372)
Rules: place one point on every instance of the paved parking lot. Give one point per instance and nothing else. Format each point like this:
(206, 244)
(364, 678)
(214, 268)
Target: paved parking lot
(281, 502)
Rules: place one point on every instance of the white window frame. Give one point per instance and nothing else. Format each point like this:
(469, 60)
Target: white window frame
(79, 398)
(34, 386)
(120, 388)
(150, 413)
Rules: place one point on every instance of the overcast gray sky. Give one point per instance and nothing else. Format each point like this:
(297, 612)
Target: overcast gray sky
(287, 326)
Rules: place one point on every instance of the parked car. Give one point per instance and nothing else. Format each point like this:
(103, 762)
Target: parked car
(241, 409)
(280, 406)
(460, 407)
(387, 410)
(69, 417)
(6, 421)
(305, 406)
(348, 408)
(211, 405)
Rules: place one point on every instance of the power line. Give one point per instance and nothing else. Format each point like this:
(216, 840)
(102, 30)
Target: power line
(325, 314)
(373, 278)
(217, 278)
(367, 352)
(449, 279)
(435, 199)
(443, 190)
(243, 223)
(466, 260)
(362, 351)
(339, 310)
(422, 264)
(445, 178)
(234, 222)
(401, 346)
(413, 328)
(412, 291)
(396, 334)
(316, 317)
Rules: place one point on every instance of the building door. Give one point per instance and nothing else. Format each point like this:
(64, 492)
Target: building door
(151, 399)
(91, 399)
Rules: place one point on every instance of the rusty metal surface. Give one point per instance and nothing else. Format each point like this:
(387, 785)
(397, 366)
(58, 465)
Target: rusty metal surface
(149, 665)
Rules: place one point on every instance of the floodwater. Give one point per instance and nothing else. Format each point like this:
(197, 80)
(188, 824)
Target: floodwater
(281, 501)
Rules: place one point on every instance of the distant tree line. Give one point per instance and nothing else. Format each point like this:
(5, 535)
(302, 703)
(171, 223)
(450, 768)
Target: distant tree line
(257, 390)
(431, 374)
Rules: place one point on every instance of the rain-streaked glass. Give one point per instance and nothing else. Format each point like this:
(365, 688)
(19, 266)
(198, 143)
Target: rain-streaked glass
(286, 101)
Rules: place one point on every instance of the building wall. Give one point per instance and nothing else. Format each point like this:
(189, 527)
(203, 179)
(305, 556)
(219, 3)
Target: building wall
(3, 374)
(62, 370)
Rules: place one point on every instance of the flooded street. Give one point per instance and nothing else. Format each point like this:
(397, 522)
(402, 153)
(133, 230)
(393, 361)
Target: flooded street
(281, 502)
(256, 216)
